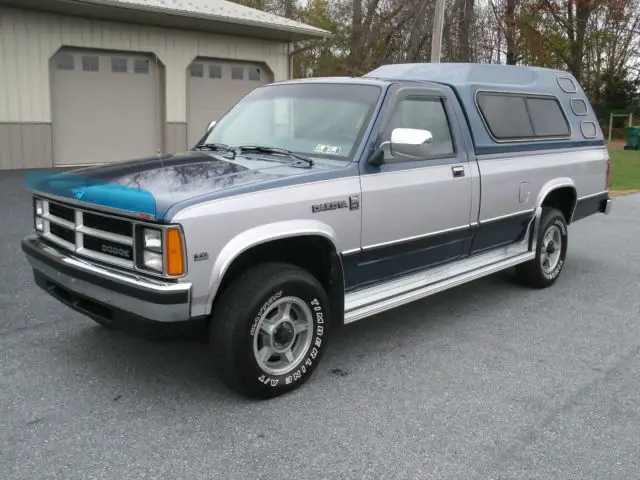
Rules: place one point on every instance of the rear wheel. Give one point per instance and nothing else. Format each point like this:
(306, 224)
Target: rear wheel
(269, 330)
(551, 251)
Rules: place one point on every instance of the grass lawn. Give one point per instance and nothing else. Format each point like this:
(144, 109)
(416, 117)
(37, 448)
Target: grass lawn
(625, 169)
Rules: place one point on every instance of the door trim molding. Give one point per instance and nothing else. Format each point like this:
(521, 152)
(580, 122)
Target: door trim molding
(415, 237)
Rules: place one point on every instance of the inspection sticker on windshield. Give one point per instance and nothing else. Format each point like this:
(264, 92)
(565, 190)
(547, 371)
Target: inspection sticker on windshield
(328, 149)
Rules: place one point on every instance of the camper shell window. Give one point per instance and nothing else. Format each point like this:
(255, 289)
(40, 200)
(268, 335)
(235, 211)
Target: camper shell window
(514, 116)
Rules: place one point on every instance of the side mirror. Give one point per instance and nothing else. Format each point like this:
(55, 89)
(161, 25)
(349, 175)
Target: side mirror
(405, 142)
(211, 125)
(409, 141)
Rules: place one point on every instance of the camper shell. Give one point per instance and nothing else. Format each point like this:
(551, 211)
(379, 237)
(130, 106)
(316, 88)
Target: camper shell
(470, 81)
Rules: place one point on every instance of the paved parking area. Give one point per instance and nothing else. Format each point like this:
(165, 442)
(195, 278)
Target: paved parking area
(489, 380)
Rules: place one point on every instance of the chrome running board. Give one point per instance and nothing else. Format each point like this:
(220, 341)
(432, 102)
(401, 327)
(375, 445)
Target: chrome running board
(399, 291)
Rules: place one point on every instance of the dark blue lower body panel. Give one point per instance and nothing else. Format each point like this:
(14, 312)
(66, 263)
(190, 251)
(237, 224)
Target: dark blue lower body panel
(382, 263)
(590, 206)
(499, 233)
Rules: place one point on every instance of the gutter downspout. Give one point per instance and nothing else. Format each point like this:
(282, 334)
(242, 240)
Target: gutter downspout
(295, 51)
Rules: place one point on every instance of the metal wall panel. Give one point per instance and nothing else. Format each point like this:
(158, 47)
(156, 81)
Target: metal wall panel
(25, 145)
(28, 39)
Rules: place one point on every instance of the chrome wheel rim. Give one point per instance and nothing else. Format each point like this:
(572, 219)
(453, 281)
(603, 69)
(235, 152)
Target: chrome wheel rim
(551, 249)
(283, 336)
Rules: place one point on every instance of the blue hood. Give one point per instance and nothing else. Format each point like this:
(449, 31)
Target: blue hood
(148, 187)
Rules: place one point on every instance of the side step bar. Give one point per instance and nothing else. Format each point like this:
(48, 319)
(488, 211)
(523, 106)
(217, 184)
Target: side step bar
(393, 293)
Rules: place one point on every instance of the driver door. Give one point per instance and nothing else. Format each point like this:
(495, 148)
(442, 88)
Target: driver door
(416, 210)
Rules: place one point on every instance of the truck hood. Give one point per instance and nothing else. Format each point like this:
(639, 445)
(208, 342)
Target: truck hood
(149, 186)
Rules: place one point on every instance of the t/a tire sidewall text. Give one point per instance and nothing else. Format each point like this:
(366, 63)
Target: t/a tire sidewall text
(318, 306)
(236, 320)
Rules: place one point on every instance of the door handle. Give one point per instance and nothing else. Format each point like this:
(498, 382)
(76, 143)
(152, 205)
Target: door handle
(457, 171)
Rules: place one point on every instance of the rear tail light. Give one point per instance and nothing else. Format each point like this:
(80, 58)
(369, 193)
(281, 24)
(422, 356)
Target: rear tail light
(608, 181)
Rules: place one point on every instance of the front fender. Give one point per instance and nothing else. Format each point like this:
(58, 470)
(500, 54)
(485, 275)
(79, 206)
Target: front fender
(259, 235)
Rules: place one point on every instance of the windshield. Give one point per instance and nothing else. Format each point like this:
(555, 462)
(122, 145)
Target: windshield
(324, 120)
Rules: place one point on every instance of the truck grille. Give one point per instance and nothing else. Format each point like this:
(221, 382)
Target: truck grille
(94, 235)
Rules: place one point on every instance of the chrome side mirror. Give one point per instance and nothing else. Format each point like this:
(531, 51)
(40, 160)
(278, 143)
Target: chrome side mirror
(405, 142)
(410, 136)
(211, 125)
(409, 142)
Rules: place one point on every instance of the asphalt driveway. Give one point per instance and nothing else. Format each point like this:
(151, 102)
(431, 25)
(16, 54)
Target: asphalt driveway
(489, 380)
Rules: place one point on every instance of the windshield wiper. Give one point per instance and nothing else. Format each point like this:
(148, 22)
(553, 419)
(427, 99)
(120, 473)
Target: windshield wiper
(275, 150)
(216, 147)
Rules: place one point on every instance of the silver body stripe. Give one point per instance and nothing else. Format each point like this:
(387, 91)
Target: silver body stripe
(504, 217)
(502, 179)
(395, 207)
(417, 237)
(592, 195)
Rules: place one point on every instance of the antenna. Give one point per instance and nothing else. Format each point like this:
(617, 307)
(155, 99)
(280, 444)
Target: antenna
(159, 105)
(162, 120)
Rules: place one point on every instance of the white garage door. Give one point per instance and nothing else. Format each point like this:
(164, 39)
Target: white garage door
(213, 87)
(105, 107)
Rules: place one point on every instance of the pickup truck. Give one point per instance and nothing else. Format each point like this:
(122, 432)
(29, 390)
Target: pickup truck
(314, 203)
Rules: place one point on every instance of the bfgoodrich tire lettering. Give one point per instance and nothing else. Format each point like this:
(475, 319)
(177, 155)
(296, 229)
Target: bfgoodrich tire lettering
(551, 251)
(264, 345)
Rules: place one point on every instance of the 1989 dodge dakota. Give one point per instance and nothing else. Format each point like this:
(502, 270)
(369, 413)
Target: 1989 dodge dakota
(318, 202)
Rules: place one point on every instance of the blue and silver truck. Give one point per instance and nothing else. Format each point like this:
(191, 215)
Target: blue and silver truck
(314, 203)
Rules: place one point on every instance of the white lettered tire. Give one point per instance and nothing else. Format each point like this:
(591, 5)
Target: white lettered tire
(269, 330)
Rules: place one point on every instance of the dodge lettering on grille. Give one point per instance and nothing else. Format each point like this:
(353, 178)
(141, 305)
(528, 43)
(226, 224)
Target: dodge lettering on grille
(119, 252)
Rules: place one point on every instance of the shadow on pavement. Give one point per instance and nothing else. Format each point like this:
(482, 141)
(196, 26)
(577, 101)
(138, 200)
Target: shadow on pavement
(153, 361)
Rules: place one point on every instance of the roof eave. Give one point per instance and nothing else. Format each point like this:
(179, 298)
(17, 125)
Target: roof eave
(153, 16)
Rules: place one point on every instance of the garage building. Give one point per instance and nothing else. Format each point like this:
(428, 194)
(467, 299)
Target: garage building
(92, 81)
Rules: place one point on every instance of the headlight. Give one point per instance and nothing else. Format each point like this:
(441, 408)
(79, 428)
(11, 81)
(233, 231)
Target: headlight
(152, 240)
(162, 251)
(152, 249)
(38, 212)
(152, 261)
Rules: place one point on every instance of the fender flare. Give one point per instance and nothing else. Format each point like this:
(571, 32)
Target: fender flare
(552, 185)
(546, 189)
(253, 237)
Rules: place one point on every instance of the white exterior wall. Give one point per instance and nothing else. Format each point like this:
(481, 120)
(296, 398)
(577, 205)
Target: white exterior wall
(29, 39)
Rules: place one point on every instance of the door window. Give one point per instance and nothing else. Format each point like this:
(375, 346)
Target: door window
(425, 113)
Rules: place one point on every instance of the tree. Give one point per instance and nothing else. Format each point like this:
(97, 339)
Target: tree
(597, 40)
(562, 24)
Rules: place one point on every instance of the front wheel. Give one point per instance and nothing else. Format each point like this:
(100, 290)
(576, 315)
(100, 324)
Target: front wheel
(551, 251)
(269, 330)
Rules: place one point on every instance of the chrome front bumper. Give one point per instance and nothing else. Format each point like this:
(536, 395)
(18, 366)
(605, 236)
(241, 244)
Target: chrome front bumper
(607, 206)
(101, 292)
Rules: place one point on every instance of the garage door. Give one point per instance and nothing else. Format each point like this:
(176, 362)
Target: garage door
(215, 86)
(105, 107)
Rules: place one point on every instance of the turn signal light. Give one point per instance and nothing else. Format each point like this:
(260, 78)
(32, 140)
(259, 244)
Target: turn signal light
(174, 252)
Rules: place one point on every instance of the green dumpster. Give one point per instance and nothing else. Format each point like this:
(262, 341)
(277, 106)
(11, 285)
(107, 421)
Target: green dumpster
(633, 138)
